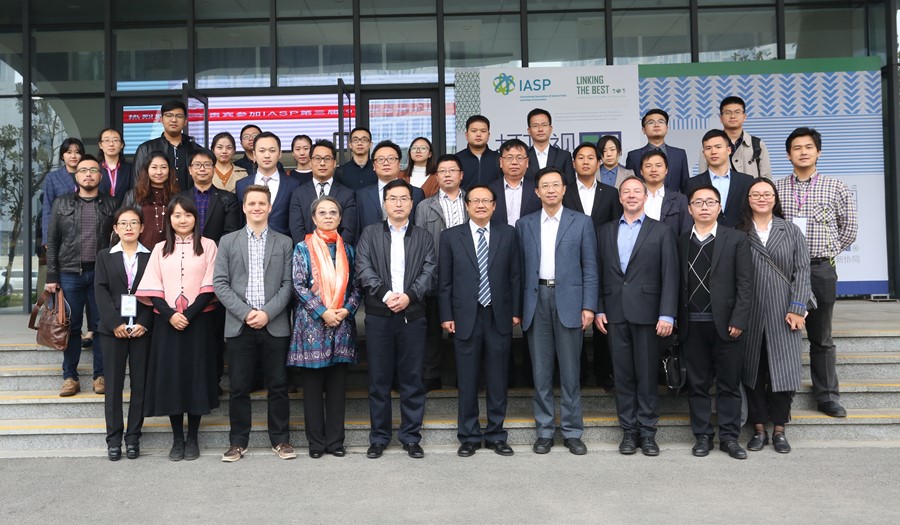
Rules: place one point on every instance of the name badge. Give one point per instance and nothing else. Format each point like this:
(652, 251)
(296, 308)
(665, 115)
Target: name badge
(801, 223)
(129, 305)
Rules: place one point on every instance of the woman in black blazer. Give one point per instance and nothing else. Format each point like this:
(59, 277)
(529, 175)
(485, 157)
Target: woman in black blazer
(117, 275)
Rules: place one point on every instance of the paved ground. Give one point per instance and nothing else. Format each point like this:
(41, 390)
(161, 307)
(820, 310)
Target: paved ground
(833, 484)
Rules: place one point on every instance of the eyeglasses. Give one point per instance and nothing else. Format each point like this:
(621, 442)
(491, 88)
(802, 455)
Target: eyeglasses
(420, 149)
(699, 203)
(317, 159)
(84, 171)
(249, 136)
(110, 141)
(548, 185)
(540, 125)
(397, 200)
(128, 224)
(755, 195)
(514, 158)
(735, 113)
(202, 165)
(327, 213)
(360, 140)
(478, 202)
(661, 122)
(385, 160)
(448, 171)
(174, 116)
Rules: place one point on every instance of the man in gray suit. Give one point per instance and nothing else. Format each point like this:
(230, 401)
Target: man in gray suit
(559, 300)
(253, 282)
(446, 209)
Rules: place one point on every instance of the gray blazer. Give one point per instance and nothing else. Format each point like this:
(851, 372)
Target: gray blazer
(773, 299)
(231, 275)
(621, 174)
(430, 215)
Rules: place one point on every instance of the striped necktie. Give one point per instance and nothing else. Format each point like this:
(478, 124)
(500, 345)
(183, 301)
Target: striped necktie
(484, 287)
(321, 189)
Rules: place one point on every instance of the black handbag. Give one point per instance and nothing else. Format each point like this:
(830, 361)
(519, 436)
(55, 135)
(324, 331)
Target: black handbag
(673, 366)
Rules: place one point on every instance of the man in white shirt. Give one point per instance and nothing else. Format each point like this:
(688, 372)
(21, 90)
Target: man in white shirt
(541, 154)
(267, 151)
(663, 204)
(515, 192)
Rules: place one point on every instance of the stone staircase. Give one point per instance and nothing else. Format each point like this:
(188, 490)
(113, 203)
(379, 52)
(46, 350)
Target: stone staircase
(34, 418)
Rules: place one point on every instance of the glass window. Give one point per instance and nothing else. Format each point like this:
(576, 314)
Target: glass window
(480, 6)
(13, 227)
(232, 55)
(878, 42)
(571, 39)
(313, 8)
(230, 10)
(68, 61)
(651, 37)
(396, 7)
(729, 3)
(560, 5)
(10, 63)
(735, 35)
(398, 50)
(449, 120)
(315, 52)
(628, 4)
(157, 10)
(821, 33)
(66, 12)
(151, 58)
(482, 41)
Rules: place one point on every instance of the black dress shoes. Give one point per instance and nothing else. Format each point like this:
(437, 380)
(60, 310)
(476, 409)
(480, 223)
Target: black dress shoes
(375, 451)
(733, 449)
(133, 451)
(575, 446)
(702, 446)
(432, 384)
(339, 452)
(542, 445)
(780, 443)
(628, 446)
(414, 450)
(316, 454)
(649, 446)
(468, 449)
(114, 453)
(177, 452)
(758, 441)
(500, 447)
(832, 408)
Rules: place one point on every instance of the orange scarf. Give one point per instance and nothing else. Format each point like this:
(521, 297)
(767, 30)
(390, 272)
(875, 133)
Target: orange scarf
(329, 277)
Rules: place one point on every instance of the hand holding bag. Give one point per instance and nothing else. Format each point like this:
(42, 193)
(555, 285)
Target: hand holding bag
(53, 316)
(673, 366)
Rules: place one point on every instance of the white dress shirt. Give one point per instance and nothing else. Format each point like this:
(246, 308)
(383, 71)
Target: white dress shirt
(763, 234)
(549, 229)
(587, 195)
(398, 259)
(653, 206)
(701, 238)
(513, 196)
(542, 156)
(327, 186)
(487, 234)
(274, 182)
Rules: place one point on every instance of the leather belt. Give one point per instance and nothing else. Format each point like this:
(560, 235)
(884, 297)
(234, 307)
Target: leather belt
(547, 282)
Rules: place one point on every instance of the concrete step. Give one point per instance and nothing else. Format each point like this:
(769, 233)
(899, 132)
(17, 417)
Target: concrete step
(438, 429)
(851, 365)
(17, 354)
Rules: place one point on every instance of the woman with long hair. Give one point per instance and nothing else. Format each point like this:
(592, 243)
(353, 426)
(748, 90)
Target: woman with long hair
(301, 149)
(227, 173)
(156, 184)
(773, 348)
(420, 169)
(323, 343)
(181, 376)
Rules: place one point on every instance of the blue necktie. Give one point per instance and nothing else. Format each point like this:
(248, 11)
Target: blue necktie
(484, 287)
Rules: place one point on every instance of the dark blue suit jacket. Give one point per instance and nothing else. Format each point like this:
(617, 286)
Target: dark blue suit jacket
(279, 219)
(678, 175)
(301, 219)
(556, 158)
(731, 203)
(369, 209)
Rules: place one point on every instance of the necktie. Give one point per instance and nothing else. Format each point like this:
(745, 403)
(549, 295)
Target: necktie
(321, 189)
(454, 212)
(266, 181)
(484, 287)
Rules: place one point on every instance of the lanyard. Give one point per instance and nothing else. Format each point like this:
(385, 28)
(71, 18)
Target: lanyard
(800, 202)
(113, 174)
(129, 268)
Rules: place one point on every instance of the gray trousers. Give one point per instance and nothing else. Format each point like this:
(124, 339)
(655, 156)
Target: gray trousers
(550, 341)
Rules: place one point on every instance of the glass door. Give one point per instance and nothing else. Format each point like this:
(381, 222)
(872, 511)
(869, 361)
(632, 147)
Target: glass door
(401, 116)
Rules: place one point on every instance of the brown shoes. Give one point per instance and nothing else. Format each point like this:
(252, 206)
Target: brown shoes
(233, 454)
(284, 451)
(99, 385)
(70, 387)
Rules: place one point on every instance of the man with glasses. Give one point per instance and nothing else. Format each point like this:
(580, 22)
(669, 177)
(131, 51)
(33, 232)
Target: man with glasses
(541, 154)
(176, 144)
(80, 226)
(445, 209)
(370, 199)
(395, 266)
(324, 157)
(358, 172)
(515, 192)
(480, 163)
(727, 181)
(480, 317)
(217, 210)
(749, 153)
(715, 300)
(248, 161)
(655, 124)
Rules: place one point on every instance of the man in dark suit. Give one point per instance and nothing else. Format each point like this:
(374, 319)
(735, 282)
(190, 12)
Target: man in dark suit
(541, 154)
(323, 183)
(370, 199)
(481, 317)
(217, 209)
(358, 172)
(732, 184)
(480, 163)
(515, 192)
(663, 204)
(601, 203)
(656, 125)
(559, 300)
(716, 296)
(267, 151)
(638, 304)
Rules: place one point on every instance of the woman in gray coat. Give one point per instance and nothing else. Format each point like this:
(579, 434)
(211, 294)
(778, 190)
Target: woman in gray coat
(773, 345)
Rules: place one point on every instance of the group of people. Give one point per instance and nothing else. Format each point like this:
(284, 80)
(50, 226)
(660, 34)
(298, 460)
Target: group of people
(191, 252)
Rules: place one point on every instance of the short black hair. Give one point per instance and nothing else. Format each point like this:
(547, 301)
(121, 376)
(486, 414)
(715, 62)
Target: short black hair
(267, 135)
(481, 187)
(361, 128)
(713, 133)
(653, 153)
(388, 144)
(601, 144)
(727, 101)
(69, 142)
(169, 105)
(324, 143)
(513, 143)
(448, 157)
(477, 118)
(397, 183)
(585, 145)
(538, 111)
(547, 171)
(202, 152)
(804, 132)
(88, 156)
(655, 111)
(709, 187)
(248, 126)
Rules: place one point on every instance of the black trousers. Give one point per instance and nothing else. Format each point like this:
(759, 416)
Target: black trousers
(822, 352)
(635, 359)
(324, 417)
(243, 353)
(117, 353)
(395, 343)
(763, 405)
(485, 351)
(708, 356)
(602, 361)
(434, 340)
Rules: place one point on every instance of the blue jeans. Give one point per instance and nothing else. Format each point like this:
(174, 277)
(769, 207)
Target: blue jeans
(79, 290)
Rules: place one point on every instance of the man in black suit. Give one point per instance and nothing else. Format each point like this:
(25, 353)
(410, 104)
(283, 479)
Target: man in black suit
(638, 304)
(730, 183)
(267, 150)
(370, 199)
(656, 125)
(716, 296)
(323, 183)
(541, 154)
(515, 192)
(481, 316)
(663, 204)
(601, 202)
(217, 209)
